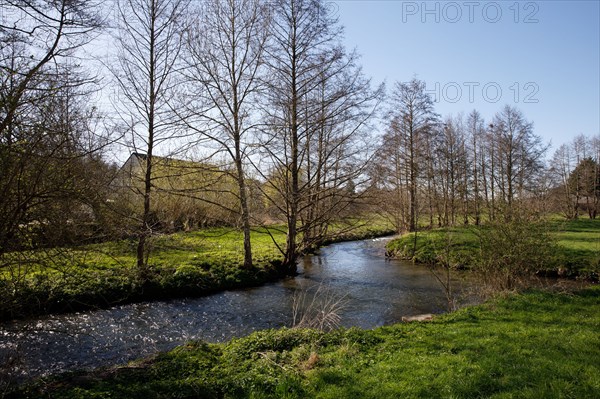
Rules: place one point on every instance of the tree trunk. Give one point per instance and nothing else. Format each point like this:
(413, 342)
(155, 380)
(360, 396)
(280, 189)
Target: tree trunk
(146, 228)
(244, 209)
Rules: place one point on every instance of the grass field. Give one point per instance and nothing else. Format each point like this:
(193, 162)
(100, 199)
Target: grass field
(182, 264)
(579, 241)
(577, 246)
(531, 345)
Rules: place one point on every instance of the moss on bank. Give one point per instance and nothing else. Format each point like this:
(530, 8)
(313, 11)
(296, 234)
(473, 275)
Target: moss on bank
(532, 345)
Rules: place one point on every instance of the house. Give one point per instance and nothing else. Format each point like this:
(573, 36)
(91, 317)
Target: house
(184, 194)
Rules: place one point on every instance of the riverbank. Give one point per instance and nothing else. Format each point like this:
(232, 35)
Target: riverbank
(576, 246)
(186, 264)
(533, 345)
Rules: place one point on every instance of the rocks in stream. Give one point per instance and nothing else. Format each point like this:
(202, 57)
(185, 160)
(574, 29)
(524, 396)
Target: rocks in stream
(421, 317)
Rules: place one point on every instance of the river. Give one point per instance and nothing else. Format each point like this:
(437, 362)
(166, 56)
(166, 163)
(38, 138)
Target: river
(372, 291)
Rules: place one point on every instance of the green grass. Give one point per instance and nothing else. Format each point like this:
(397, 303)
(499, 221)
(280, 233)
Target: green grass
(204, 248)
(99, 275)
(182, 264)
(579, 241)
(577, 244)
(429, 245)
(532, 345)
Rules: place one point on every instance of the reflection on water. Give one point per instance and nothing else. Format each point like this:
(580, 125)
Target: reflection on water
(376, 292)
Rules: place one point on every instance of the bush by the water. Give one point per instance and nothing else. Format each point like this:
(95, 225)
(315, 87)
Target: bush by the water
(507, 251)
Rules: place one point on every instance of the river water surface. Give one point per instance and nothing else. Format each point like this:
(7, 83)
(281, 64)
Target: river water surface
(375, 292)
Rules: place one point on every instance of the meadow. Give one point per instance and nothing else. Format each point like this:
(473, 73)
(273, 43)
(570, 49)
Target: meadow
(575, 246)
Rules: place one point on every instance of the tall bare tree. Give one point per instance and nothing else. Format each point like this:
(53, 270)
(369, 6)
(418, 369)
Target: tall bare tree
(475, 130)
(304, 42)
(488, 171)
(412, 119)
(518, 155)
(225, 48)
(390, 186)
(452, 166)
(149, 40)
(562, 166)
(37, 41)
(319, 105)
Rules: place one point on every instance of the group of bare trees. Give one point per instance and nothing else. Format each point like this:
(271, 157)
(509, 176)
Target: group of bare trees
(314, 146)
(575, 176)
(264, 90)
(404, 158)
(259, 98)
(455, 170)
(51, 171)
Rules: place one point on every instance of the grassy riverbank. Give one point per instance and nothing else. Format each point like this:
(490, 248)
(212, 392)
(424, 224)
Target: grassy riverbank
(531, 345)
(183, 264)
(576, 246)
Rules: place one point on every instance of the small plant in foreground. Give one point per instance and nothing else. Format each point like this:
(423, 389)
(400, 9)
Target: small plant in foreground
(317, 307)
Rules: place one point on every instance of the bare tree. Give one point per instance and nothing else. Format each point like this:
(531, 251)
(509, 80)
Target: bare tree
(453, 163)
(390, 179)
(41, 129)
(562, 166)
(412, 121)
(304, 42)
(149, 44)
(518, 154)
(34, 34)
(488, 171)
(475, 130)
(337, 147)
(225, 49)
(575, 171)
(319, 106)
(434, 185)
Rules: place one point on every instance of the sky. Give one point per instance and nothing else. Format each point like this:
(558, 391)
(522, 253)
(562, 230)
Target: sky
(542, 57)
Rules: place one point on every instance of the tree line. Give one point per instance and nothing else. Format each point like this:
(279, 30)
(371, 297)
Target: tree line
(253, 111)
(464, 170)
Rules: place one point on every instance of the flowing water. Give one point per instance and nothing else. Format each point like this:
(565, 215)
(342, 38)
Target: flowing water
(374, 292)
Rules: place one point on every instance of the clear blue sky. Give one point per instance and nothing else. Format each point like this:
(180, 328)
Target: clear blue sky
(541, 56)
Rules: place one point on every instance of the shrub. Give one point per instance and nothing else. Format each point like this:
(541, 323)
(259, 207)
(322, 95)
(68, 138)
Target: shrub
(513, 250)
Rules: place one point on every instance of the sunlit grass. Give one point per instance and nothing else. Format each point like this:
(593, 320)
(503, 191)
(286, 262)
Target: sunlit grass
(578, 243)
